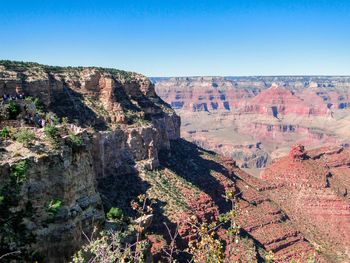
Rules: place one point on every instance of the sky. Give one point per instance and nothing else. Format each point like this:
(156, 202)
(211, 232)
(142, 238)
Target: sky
(181, 37)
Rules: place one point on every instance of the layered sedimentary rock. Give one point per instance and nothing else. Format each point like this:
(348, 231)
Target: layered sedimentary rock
(127, 124)
(189, 92)
(278, 101)
(312, 187)
(65, 176)
(256, 119)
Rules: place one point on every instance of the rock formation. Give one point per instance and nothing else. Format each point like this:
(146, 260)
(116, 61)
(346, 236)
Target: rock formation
(131, 125)
(257, 119)
(314, 193)
(297, 153)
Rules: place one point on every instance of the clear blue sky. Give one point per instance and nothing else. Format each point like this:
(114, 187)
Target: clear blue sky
(181, 37)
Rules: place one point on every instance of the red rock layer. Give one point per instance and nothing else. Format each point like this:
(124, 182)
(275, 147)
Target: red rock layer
(296, 95)
(314, 192)
(279, 101)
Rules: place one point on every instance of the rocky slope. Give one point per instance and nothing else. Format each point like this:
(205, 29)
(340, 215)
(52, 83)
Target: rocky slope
(265, 227)
(256, 119)
(312, 186)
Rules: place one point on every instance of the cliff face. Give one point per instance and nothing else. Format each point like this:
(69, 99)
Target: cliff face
(63, 176)
(124, 125)
(90, 96)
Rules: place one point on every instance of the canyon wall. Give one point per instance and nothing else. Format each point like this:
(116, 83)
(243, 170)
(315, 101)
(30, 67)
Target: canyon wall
(65, 176)
(257, 119)
(124, 125)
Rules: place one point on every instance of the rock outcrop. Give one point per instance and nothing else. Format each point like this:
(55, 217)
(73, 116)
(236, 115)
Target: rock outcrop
(127, 125)
(64, 177)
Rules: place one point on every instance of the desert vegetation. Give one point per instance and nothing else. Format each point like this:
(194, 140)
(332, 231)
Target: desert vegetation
(129, 242)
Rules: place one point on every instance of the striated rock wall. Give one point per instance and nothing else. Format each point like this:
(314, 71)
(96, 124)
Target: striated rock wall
(313, 190)
(91, 96)
(106, 99)
(65, 176)
(313, 95)
(227, 113)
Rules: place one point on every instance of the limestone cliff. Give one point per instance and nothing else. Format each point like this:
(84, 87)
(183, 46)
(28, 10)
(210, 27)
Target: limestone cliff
(61, 176)
(123, 124)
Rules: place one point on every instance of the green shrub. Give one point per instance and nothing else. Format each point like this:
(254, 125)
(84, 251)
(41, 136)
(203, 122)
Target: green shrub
(25, 136)
(37, 103)
(75, 140)
(54, 206)
(2, 198)
(18, 171)
(5, 133)
(51, 132)
(13, 110)
(115, 213)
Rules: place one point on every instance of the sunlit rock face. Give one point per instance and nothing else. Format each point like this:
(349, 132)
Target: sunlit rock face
(124, 125)
(258, 119)
(312, 187)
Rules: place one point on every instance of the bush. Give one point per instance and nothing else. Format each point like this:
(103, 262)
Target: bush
(18, 171)
(13, 110)
(5, 133)
(112, 247)
(38, 105)
(51, 132)
(115, 213)
(54, 206)
(75, 140)
(25, 136)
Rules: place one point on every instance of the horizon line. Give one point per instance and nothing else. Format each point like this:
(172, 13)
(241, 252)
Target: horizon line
(181, 76)
(250, 76)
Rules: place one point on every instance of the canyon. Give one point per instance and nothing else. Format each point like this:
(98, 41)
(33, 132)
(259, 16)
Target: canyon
(266, 124)
(255, 120)
(116, 140)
